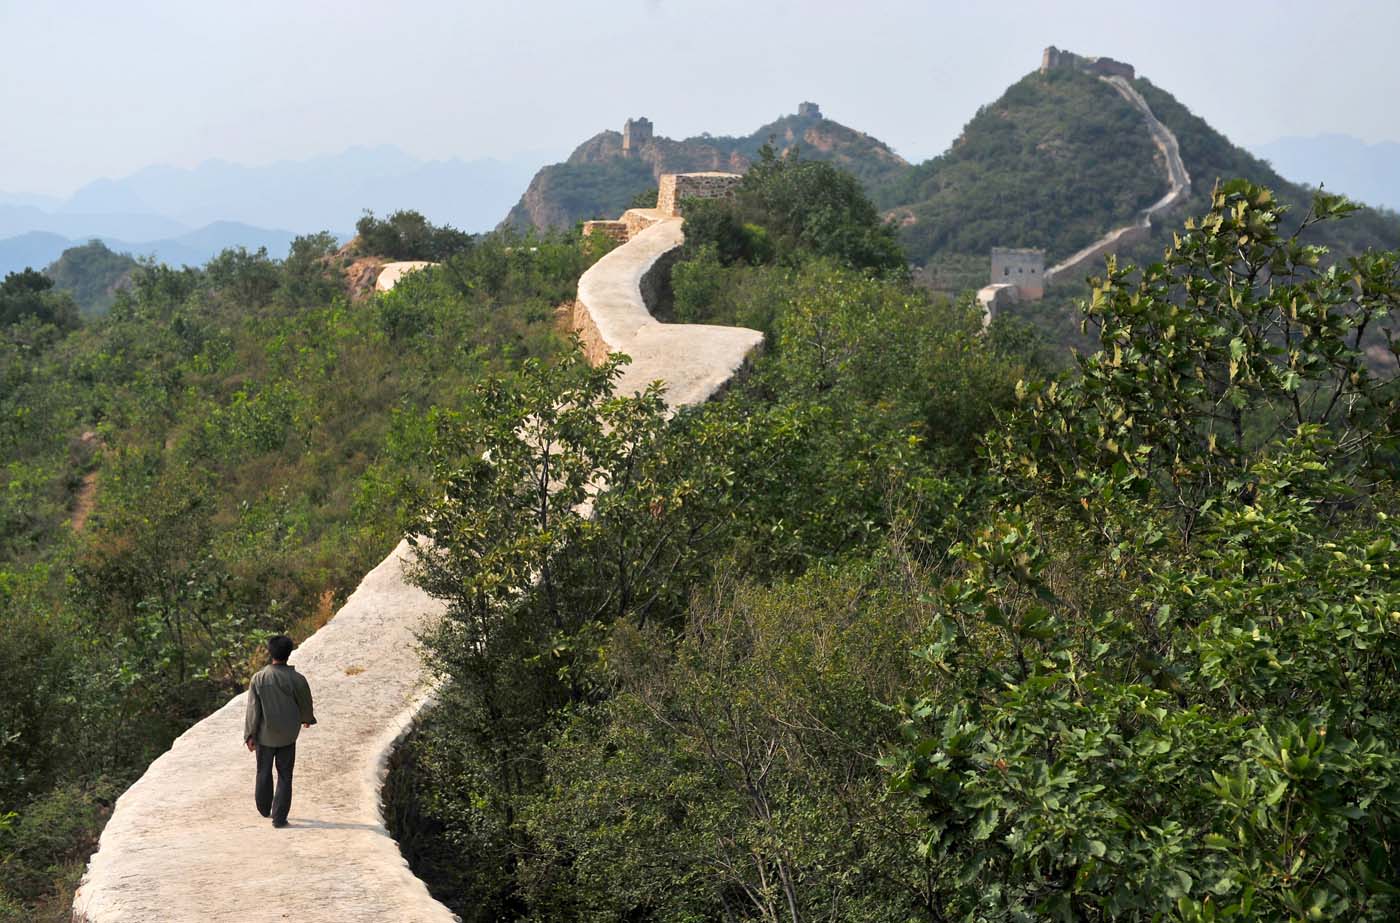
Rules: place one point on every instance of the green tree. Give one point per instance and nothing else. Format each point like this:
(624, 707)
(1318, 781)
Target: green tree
(307, 277)
(785, 207)
(1153, 689)
(407, 235)
(28, 295)
(250, 279)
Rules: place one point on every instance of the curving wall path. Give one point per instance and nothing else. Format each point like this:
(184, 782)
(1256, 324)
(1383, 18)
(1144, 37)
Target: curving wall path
(1178, 183)
(185, 845)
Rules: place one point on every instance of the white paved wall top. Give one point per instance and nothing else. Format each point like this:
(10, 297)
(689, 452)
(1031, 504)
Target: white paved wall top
(1178, 186)
(185, 845)
(390, 275)
(695, 360)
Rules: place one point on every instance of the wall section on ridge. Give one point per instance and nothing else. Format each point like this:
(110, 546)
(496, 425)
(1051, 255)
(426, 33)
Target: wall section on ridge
(185, 844)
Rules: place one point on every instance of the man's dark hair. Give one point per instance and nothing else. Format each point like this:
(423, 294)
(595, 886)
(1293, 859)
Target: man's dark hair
(279, 647)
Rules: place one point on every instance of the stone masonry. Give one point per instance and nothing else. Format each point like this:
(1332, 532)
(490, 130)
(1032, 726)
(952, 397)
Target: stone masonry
(616, 229)
(1022, 268)
(635, 133)
(1054, 58)
(675, 187)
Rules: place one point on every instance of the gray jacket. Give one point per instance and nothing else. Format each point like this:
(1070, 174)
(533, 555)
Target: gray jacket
(279, 703)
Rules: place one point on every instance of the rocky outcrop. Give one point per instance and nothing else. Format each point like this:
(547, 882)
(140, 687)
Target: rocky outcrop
(601, 177)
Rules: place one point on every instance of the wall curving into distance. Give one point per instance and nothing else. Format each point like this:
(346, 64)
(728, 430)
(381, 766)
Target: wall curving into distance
(185, 845)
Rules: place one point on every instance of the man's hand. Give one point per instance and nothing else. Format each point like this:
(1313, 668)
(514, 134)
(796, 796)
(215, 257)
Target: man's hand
(250, 744)
(306, 724)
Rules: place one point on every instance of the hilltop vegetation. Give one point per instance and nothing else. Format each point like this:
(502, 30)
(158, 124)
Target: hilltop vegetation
(1057, 161)
(1054, 163)
(1210, 157)
(213, 460)
(92, 274)
(600, 181)
(907, 627)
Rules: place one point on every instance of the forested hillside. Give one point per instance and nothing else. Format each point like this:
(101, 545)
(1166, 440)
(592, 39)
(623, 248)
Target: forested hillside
(906, 626)
(1060, 159)
(599, 180)
(92, 274)
(1054, 163)
(919, 619)
(215, 459)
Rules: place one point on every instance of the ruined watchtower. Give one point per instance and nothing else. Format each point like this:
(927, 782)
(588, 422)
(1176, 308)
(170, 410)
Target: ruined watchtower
(1055, 58)
(809, 111)
(635, 133)
(1023, 268)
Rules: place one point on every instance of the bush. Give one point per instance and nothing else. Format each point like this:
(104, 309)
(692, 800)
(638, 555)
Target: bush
(785, 208)
(407, 235)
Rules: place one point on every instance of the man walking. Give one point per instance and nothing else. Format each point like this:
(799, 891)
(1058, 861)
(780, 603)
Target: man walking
(279, 706)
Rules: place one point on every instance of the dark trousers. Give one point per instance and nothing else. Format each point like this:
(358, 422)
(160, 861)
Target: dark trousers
(269, 804)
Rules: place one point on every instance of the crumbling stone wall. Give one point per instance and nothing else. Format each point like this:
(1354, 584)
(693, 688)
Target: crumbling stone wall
(617, 230)
(1054, 58)
(637, 220)
(995, 299)
(635, 133)
(677, 186)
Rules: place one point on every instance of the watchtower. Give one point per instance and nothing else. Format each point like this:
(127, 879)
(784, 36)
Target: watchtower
(1023, 268)
(809, 111)
(635, 133)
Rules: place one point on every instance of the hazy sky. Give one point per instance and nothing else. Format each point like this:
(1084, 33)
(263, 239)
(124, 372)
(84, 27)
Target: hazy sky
(91, 89)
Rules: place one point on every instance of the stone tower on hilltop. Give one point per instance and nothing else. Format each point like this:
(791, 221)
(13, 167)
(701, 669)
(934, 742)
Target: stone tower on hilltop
(635, 133)
(1054, 59)
(809, 111)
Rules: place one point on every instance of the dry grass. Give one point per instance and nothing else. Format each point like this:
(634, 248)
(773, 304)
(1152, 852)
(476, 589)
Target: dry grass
(317, 618)
(84, 502)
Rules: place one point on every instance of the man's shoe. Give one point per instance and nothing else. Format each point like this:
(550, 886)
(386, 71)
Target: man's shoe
(279, 823)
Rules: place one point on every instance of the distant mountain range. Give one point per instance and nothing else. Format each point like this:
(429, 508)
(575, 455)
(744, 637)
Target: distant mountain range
(185, 216)
(321, 193)
(192, 248)
(1369, 173)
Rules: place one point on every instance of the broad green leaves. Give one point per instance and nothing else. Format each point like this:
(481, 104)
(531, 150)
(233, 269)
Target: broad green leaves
(1163, 684)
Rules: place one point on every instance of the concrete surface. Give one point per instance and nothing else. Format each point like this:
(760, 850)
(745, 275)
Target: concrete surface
(185, 844)
(390, 275)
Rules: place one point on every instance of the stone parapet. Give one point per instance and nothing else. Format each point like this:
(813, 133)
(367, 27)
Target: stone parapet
(676, 187)
(617, 230)
(637, 220)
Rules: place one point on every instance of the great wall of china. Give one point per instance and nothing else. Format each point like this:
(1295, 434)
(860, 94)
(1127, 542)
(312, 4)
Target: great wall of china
(184, 843)
(181, 843)
(1004, 289)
